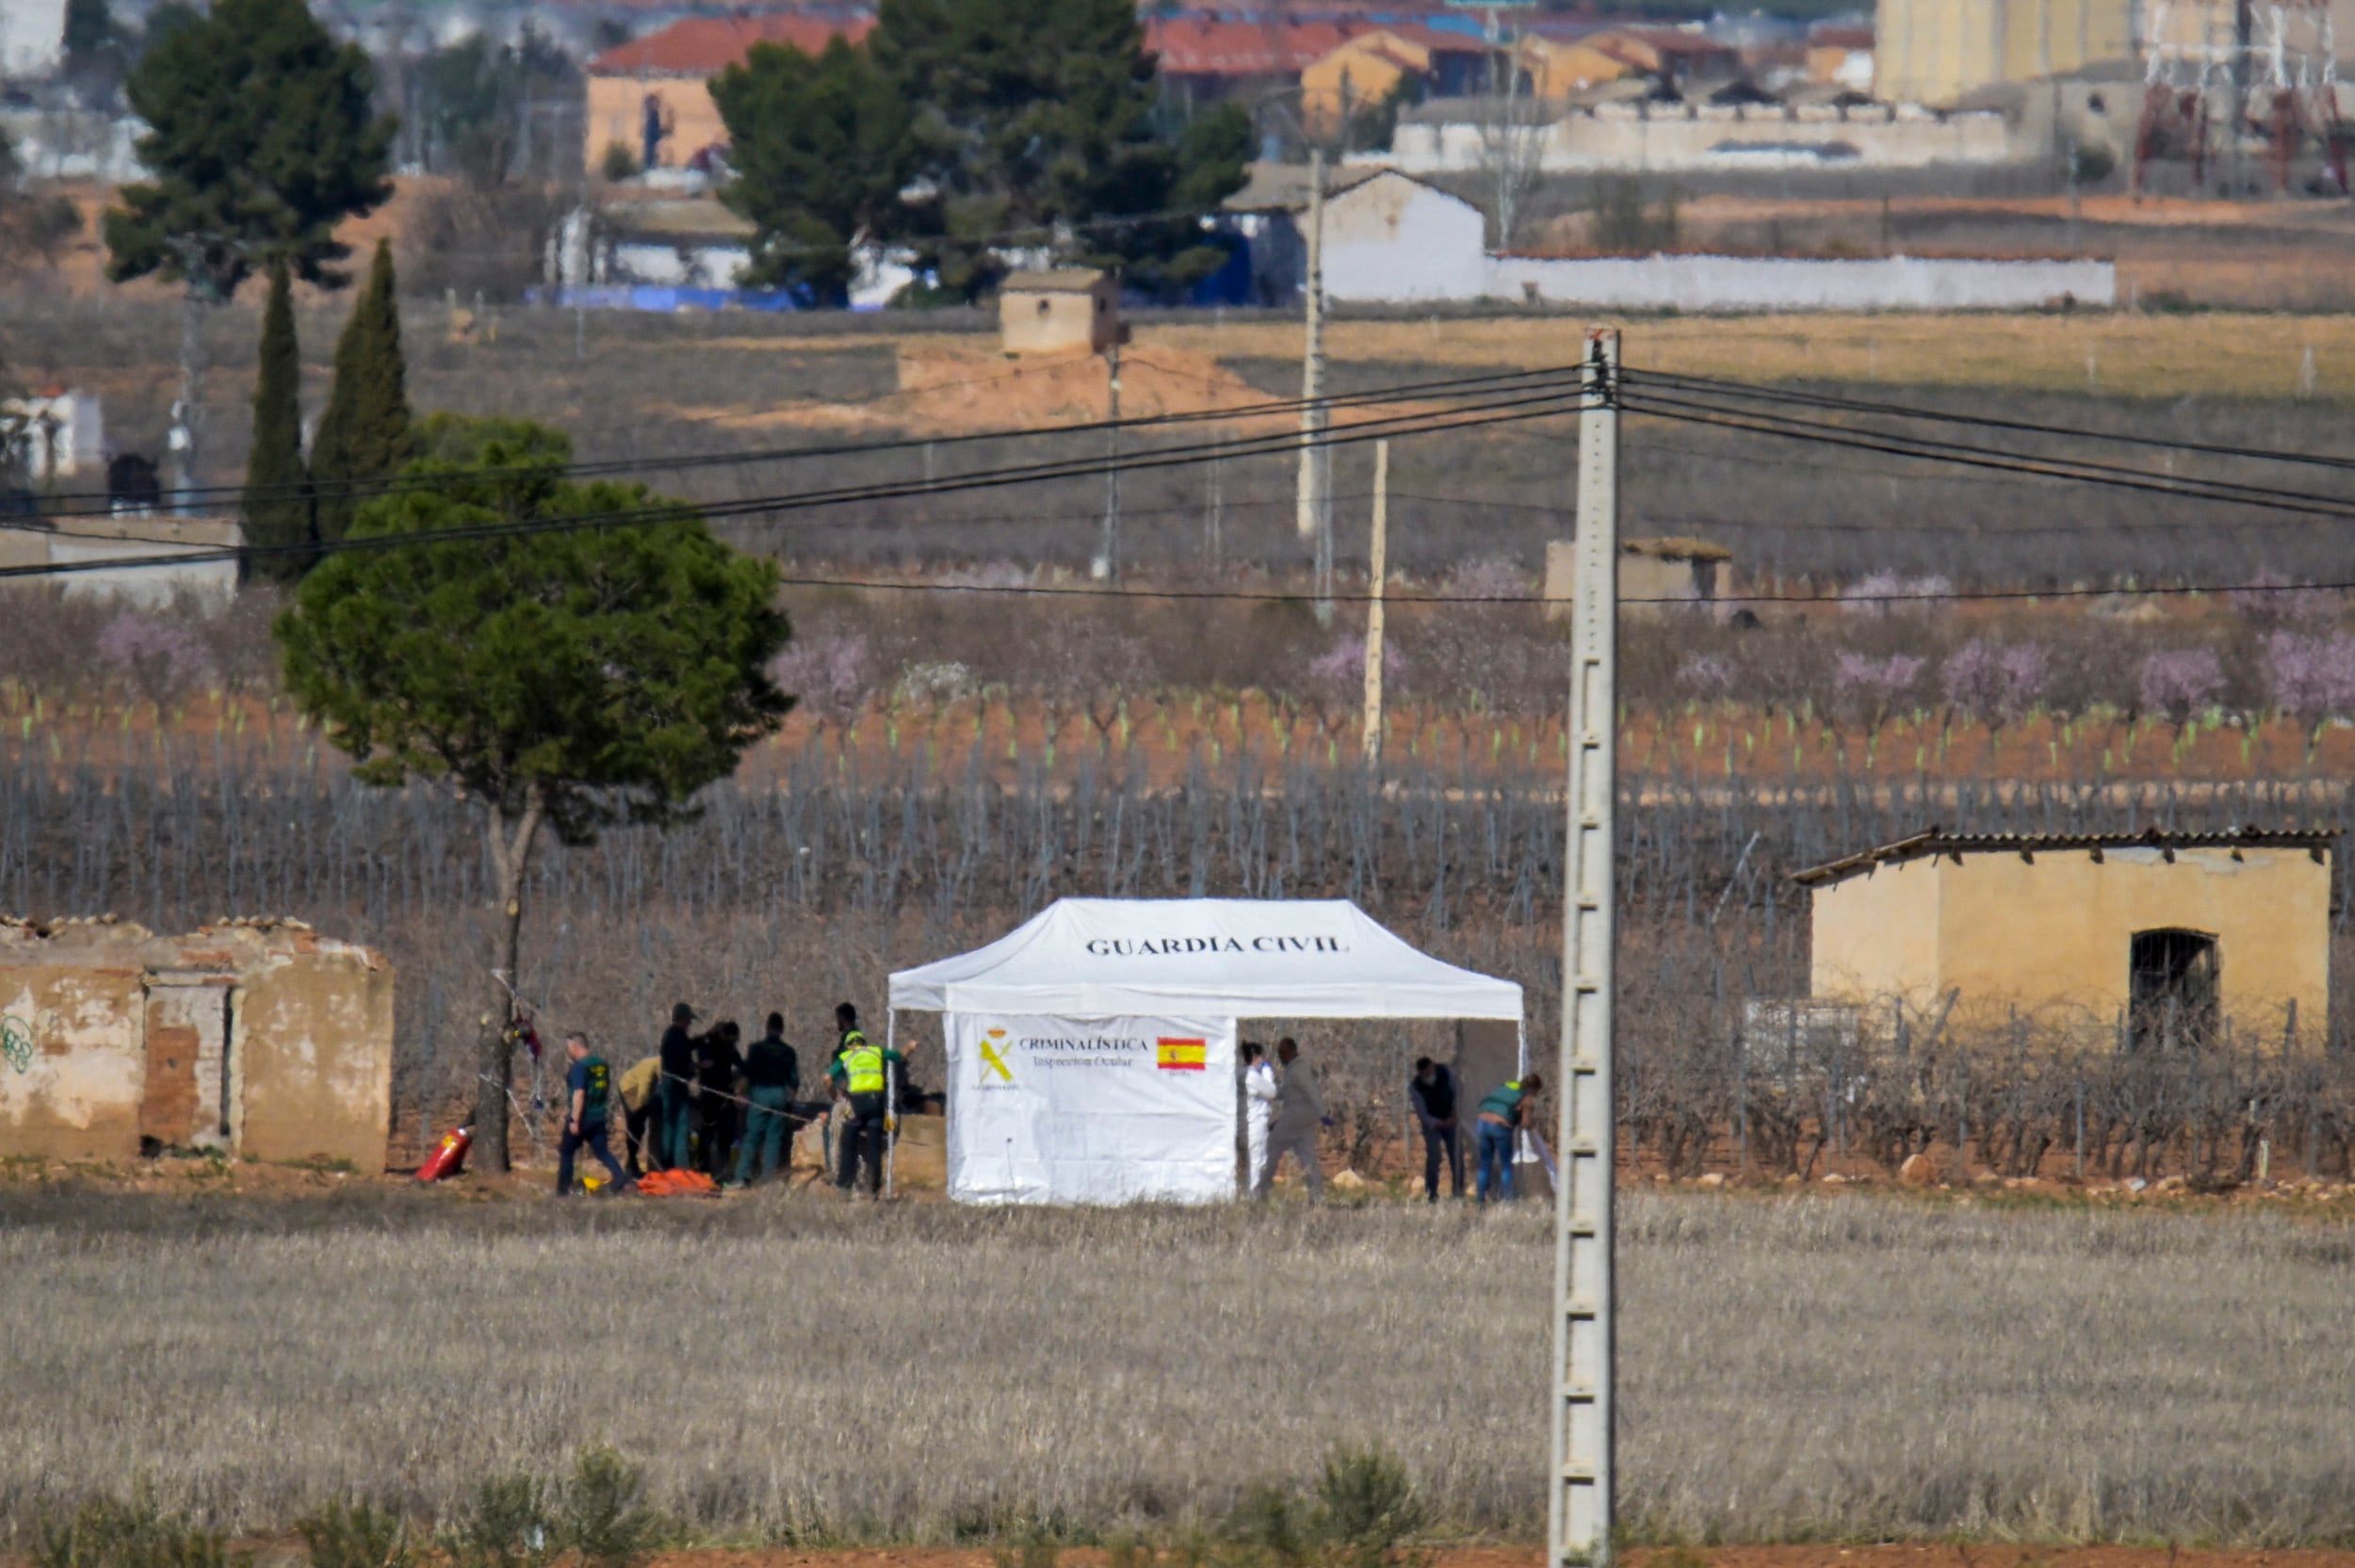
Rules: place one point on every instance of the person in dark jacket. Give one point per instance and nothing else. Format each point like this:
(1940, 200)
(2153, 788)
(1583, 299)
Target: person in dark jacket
(1432, 1091)
(772, 1073)
(718, 1065)
(673, 1147)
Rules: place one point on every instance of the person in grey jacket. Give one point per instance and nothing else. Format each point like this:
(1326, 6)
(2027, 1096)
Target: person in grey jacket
(1299, 1113)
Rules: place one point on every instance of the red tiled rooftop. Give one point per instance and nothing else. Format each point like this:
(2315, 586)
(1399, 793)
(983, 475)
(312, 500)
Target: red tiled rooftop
(1201, 46)
(705, 45)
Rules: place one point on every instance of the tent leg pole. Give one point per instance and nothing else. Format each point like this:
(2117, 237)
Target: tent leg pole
(892, 1099)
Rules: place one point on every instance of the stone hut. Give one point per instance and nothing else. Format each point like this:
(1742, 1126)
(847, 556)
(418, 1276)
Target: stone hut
(1069, 310)
(254, 1037)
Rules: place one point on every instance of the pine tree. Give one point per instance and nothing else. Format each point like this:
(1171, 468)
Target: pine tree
(820, 145)
(262, 135)
(277, 509)
(1033, 123)
(363, 435)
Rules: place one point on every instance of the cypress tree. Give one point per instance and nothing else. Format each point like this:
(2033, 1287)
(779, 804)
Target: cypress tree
(277, 509)
(363, 435)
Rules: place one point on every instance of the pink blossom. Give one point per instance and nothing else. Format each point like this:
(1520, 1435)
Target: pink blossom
(2179, 682)
(1994, 680)
(827, 671)
(1877, 679)
(2311, 676)
(1344, 663)
(1708, 673)
(1485, 579)
(164, 658)
(2269, 598)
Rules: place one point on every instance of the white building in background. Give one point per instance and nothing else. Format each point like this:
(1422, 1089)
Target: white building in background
(1448, 137)
(1392, 239)
(57, 436)
(208, 573)
(32, 37)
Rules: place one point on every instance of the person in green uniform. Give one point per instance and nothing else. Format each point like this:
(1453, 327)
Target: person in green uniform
(862, 1073)
(1503, 1112)
(590, 1082)
(772, 1071)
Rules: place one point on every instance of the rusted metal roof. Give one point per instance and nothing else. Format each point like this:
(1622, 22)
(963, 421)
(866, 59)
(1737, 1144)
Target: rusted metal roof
(1932, 842)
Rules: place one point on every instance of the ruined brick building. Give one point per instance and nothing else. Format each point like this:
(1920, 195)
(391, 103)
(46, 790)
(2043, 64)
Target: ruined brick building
(258, 1037)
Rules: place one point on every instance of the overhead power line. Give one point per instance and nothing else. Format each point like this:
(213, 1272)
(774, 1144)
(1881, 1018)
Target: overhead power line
(1752, 392)
(2083, 471)
(1540, 404)
(1457, 386)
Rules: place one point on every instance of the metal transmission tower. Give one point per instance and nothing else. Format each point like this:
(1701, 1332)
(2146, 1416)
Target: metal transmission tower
(2221, 74)
(1579, 1479)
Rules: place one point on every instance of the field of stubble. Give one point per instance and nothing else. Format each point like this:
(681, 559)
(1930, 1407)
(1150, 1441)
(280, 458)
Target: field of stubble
(793, 1369)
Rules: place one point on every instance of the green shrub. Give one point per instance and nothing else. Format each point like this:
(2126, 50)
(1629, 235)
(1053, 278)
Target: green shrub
(604, 1518)
(1271, 1523)
(105, 1532)
(1366, 1503)
(506, 1526)
(357, 1534)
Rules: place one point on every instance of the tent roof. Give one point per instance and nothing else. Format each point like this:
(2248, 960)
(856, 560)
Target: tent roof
(1241, 958)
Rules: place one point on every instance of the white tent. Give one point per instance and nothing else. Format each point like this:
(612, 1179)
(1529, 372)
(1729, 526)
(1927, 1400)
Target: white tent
(1091, 1052)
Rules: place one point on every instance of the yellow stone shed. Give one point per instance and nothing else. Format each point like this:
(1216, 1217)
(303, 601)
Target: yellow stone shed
(1065, 310)
(2173, 934)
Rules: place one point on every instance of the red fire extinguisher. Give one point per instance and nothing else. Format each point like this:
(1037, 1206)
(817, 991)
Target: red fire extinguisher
(448, 1160)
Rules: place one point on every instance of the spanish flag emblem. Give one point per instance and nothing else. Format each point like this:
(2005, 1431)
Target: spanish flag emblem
(1182, 1055)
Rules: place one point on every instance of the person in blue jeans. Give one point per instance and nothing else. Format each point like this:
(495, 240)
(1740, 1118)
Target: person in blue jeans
(1503, 1112)
(589, 1083)
(773, 1072)
(674, 1137)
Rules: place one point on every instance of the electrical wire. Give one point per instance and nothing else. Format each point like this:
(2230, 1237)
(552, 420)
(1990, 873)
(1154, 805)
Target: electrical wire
(2080, 470)
(357, 489)
(1537, 405)
(1755, 393)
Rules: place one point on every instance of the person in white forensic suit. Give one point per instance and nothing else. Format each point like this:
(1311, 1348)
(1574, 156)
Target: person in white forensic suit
(1299, 1113)
(1259, 1110)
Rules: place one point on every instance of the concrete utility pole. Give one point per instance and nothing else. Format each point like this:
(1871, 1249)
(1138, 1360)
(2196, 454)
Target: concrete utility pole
(1214, 521)
(1107, 550)
(1315, 511)
(1579, 1483)
(1379, 574)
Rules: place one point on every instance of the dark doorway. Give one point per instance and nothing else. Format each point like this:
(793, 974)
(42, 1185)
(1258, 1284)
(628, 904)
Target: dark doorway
(2172, 1000)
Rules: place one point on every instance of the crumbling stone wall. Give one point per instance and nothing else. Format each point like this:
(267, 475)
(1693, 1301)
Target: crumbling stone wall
(255, 1036)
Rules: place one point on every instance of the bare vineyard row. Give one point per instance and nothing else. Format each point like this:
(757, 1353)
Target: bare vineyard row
(794, 893)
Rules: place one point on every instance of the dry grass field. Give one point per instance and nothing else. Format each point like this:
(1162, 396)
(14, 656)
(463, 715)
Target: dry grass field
(791, 1369)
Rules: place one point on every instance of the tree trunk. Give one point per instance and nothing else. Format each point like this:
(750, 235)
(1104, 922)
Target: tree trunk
(191, 384)
(511, 855)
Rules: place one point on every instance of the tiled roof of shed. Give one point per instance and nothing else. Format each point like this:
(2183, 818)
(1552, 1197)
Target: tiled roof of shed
(1932, 843)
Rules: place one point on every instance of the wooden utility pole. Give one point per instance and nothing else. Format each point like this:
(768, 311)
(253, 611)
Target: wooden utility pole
(1315, 506)
(1579, 1479)
(1379, 574)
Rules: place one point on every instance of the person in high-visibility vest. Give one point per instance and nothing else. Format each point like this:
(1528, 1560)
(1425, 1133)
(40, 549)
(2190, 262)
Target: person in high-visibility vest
(864, 1074)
